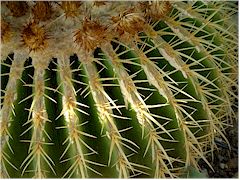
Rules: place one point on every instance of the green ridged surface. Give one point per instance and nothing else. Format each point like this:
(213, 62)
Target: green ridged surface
(191, 116)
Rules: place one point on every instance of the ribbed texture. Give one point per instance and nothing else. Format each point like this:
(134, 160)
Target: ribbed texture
(119, 89)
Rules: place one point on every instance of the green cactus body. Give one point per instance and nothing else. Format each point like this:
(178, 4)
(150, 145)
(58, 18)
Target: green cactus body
(115, 89)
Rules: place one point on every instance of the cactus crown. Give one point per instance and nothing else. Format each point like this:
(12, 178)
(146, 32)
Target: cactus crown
(115, 89)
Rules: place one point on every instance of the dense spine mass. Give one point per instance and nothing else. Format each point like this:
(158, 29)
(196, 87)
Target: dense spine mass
(115, 89)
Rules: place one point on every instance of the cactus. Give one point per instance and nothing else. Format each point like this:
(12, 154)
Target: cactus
(115, 89)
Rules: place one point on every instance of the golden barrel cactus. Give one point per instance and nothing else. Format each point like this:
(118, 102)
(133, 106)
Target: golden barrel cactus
(115, 88)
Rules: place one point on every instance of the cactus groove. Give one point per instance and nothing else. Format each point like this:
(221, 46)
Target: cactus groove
(115, 88)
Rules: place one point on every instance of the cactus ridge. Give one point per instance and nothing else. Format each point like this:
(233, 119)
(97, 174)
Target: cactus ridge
(115, 89)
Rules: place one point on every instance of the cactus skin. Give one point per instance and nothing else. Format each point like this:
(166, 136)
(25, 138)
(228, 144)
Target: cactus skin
(115, 89)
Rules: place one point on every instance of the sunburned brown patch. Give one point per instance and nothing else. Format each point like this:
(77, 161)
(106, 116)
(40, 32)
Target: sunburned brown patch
(42, 11)
(99, 3)
(17, 8)
(34, 37)
(91, 35)
(71, 8)
(5, 31)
